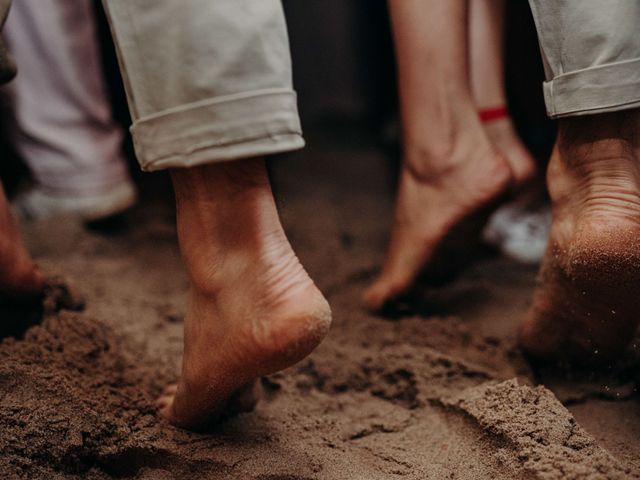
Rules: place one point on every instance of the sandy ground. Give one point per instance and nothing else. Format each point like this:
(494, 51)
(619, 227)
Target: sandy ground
(437, 391)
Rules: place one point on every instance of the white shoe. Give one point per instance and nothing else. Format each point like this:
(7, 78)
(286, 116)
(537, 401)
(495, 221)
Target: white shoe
(519, 231)
(37, 203)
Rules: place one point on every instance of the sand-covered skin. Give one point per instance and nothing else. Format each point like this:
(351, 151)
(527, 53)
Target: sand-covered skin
(428, 394)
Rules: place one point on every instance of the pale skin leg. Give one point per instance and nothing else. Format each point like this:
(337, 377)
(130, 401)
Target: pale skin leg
(486, 48)
(450, 168)
(586, 305)
(253, 310)
(19, 277)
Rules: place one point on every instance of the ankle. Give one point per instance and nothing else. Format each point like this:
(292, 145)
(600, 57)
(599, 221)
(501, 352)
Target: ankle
(226, 218)
(596, 147)
(223, 199)
(597, 136)
(217, 181)
(594, 173)
(428, 160)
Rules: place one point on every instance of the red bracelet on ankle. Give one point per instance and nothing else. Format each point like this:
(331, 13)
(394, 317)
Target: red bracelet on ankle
(490, 114)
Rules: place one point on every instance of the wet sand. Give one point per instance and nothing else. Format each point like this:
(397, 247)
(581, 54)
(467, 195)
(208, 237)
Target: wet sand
(438, 390)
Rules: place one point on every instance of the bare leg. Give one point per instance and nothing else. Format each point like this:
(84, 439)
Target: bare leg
(18, 275)
(450, 169)
(486, 46)
(253, 309)
(586, 305)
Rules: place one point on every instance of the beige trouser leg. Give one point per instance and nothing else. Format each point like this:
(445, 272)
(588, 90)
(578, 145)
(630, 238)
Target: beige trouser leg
(591, 51)
(206, 80)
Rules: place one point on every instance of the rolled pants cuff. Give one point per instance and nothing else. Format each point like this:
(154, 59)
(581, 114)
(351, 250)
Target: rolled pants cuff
(219, 129)
(600, 89)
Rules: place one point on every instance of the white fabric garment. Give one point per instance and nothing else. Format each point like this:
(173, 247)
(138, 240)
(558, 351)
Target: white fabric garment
(63, 124)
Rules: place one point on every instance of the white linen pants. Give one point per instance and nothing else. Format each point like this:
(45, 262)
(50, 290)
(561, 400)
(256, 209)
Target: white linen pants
(63, 125)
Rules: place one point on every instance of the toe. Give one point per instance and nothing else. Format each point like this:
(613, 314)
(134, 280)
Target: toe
(382, 291)
(164, 405)
(166, 412)
(374, 296)
(25, 280)
(170, 389)
(33, 282)
(165, 401)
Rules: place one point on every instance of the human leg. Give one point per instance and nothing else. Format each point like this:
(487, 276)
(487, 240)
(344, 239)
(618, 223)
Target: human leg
(19, 277)
(585, 306)
(209, 89)
(486, 49)
(450, 169)
(253, 310)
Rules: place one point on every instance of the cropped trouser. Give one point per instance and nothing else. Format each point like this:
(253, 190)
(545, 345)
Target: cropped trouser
(206, 80)
(591, 54)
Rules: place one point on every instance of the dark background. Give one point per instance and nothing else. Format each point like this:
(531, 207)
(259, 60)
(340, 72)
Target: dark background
(344, 74)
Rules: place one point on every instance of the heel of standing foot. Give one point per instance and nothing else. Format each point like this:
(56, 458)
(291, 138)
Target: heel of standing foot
(586, 303)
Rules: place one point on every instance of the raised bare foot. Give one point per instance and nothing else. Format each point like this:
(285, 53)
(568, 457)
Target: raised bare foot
(435, 195)
(19, 277)
(253, 309)
(503, 135)
(586, 306)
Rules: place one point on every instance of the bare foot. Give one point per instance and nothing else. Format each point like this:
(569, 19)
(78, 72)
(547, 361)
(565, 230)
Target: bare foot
(253, 309)
(19, 277)
(434, 197)
(586, 305)
(504, 137)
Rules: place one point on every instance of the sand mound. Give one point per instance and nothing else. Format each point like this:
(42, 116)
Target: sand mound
(72, 399)
(533, 432)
